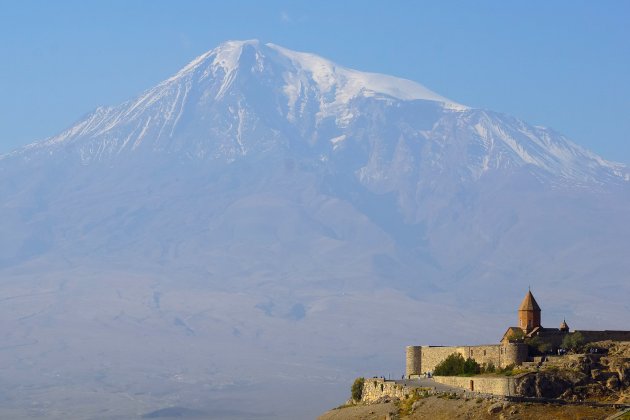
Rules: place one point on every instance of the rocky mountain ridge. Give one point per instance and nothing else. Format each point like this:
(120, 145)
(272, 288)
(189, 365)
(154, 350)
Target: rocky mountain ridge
(275, 216)
(244, 98)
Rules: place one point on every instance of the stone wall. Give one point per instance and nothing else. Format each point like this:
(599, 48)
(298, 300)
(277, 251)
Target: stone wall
(590, 336)
(514, 353)
(500, 355)
(555, 337)
(486, 354)
(422, 359)
(432, 355)
(413, 361)
(484, 385)
(377, 388)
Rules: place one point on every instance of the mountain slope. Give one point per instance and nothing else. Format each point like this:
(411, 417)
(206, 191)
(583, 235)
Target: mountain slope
(276, 217)
(244, 97)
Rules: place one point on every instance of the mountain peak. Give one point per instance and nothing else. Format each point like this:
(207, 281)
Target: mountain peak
(225, 55)
(300, 67)
(246, 97)
(350, 83)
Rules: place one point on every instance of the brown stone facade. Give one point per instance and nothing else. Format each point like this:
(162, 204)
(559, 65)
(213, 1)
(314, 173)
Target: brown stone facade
(377, 388)
(423, 359)
(529, 313)
(512, 349)
(500, 385)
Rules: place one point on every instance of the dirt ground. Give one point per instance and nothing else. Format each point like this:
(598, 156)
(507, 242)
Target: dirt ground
(441, 408)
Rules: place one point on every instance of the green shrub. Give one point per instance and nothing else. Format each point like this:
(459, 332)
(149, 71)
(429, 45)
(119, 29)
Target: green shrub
(455, 364)
(451, 366)
(405, 407)
(573, 341)
(471, 367)
(537, 345)
(357, 389)
(507, 371)
(490, 368)
(516, 335)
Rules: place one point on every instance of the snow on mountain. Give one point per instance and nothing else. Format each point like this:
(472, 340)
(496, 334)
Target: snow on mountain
(244, 97)
(539, 147)
(264, 221)
(347, 84)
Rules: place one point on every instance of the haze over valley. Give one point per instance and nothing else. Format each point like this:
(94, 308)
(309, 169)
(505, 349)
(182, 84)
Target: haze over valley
(261, 227)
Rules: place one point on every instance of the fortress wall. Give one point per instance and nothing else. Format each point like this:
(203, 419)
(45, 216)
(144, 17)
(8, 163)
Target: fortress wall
(497, 354)
(494, 385)
(377, 388)
(413, 361)
(553, 337)
(485, 354)
(431, 356)
(590, 336)
(514, 353)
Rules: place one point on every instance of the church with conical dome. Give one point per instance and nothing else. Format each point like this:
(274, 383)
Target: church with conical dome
(529, 324)
(529, 313)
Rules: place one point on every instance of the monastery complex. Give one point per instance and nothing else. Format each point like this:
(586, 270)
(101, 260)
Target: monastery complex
(513, 348)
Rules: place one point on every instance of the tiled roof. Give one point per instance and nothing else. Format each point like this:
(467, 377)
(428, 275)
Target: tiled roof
(529, 303)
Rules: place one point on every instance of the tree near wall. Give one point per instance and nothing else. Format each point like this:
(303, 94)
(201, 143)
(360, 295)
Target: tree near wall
(357, 389)
(489, 368)
(538, 345)
(516, 335)
(455, 364)
(573, 341)
(471, 367)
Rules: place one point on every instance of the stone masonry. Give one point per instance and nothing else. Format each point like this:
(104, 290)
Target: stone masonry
(512, 350)
(423, 359)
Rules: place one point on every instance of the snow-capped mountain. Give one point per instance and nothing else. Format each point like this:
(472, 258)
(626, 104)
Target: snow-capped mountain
(245, 97)
(267, 216)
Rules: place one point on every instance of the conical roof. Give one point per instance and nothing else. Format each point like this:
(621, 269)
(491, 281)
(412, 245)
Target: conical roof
(564, 325)
(529, 303)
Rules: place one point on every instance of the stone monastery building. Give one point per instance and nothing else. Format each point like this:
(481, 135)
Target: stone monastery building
(513, 348)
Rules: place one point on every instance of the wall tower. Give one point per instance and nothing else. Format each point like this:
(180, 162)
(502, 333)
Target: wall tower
(413, 365)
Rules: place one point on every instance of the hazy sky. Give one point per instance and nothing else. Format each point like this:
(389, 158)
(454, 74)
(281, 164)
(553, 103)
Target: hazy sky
(562, 64)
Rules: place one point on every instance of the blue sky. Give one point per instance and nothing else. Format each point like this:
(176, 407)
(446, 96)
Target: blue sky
(562, 64)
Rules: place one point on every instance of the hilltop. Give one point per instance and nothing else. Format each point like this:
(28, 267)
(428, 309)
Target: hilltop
(472, 409)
